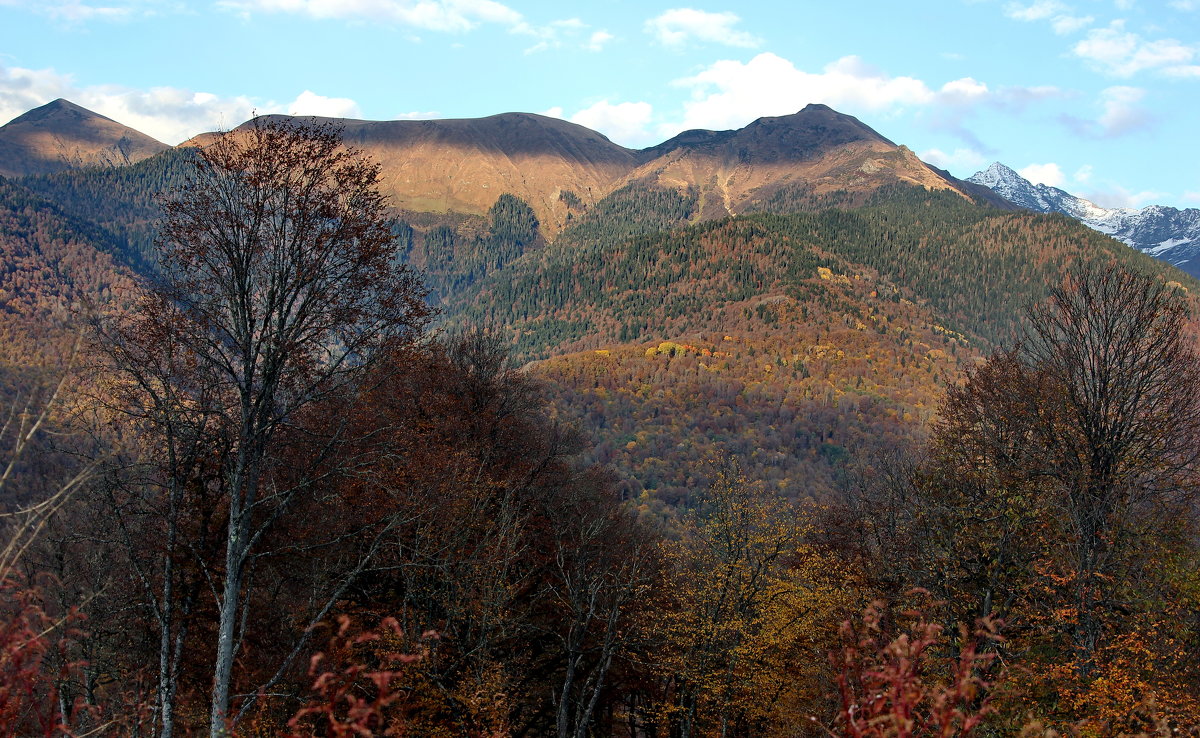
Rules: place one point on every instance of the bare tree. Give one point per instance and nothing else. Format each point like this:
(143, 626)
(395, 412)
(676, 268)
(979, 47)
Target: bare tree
(25, 420)
(280, 289)
(1118, 422)
(604, 564)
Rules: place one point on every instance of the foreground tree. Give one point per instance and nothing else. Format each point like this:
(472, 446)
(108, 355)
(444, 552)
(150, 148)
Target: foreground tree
(1058, 493)
(279, 291)
(1119, 427)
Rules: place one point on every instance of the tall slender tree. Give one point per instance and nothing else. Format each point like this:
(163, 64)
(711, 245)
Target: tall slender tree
(279, 289)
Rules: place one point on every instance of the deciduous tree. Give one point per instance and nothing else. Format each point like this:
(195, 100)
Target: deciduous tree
(279, 288)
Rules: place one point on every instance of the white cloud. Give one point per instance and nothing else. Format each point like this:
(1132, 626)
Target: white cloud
(1121, 110)
(967, 90)
(1183, 71)
(1058, 14)
(1040, 10)
(626, 123)
(453, 16)
(680, 26)
(1048, 174)
(1121, 113)
(1083, 175)
(1123, 53)
(552, 35)
(1186, 6)
(598, 39)
(310, 103)
(729, 94)
(1068, 24)
(417, 115)
(1192, 197)
(79, 11)
(450, 16)
(957, 100)
(1115, 196)
(965, 161)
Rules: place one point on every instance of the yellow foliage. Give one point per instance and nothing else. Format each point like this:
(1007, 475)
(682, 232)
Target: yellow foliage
(757, 615)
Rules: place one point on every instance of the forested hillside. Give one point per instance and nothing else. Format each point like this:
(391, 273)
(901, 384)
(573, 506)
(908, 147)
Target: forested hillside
(54, 264)
(121, 200)
(796, 343)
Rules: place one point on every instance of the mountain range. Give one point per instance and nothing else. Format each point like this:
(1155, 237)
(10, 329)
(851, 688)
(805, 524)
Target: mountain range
(1165, 233)
(796, 293)
(462, 166)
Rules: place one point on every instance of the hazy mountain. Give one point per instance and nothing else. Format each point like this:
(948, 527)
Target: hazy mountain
(61, 135)
(1165, 233)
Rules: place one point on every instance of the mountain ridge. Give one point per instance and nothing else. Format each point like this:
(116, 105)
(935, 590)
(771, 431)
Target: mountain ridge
(461, 165)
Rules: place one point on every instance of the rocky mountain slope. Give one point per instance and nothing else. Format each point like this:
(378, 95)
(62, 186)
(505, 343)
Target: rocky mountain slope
(1165, 233)
(61, 135)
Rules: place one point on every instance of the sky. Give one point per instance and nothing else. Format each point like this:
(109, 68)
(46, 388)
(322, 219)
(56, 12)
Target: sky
(1098, 97)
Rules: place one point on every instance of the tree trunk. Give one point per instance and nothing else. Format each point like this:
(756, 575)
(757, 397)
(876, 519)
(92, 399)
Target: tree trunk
(227, 625)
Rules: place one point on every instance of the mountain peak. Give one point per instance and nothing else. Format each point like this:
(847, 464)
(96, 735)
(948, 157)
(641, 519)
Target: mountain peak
(62, 135)
(996, 172)
(59, 109)
(821, 122)
(1010, 185)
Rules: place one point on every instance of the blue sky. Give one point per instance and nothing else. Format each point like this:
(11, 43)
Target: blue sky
(1100, 97)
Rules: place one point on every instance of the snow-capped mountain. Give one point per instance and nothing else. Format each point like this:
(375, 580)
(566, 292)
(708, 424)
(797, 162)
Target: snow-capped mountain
(1162, 232)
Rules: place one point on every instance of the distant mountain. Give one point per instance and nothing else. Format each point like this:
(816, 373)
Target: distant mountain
(1165, 233)
(796, 293)
(61, 135)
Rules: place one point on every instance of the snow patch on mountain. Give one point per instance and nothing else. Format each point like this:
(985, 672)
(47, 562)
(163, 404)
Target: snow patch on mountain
(1163, 232)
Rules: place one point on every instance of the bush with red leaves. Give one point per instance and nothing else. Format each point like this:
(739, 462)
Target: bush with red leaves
(34, 664)
(357, 684)
(888, 685)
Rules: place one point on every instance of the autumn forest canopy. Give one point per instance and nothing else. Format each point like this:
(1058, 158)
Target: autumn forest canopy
(283, 458)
